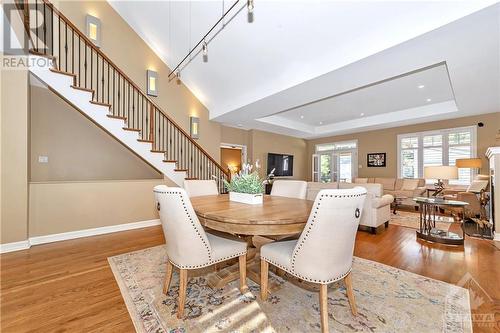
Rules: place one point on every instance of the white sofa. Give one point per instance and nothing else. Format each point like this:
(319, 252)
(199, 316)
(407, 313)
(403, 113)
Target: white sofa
(377, 207)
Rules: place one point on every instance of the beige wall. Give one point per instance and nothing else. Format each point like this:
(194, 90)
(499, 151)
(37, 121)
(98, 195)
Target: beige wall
(259, 143)
(14, 155)
(70, 206)
(14, 119)
(77, 149)
(386, 141)
(266, 142)
(132, 55)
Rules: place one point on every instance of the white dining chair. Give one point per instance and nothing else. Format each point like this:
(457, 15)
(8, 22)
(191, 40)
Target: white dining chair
(323, 253)
(196, 187)
(289, 188)
(188, 245)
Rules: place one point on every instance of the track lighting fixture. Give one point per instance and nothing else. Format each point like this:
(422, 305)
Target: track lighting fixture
(204, 46)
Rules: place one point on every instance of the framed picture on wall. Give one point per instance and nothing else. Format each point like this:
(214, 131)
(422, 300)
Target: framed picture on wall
(376, 160)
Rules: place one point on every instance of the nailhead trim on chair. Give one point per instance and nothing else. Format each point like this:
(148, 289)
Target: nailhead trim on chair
(306, 235)
(211, 261)
(303, 277)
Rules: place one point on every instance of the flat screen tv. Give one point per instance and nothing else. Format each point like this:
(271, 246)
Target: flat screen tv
(283, 164)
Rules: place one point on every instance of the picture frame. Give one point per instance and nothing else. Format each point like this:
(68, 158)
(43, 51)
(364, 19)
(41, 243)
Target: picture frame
(376, 160)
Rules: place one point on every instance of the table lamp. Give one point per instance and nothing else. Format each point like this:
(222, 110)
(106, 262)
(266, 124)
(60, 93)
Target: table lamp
(440, 173)
(469, 163)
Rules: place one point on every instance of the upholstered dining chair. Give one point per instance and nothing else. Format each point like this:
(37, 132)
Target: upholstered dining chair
(188, 245)
(289, 188)
(323, 253)
(196, 188)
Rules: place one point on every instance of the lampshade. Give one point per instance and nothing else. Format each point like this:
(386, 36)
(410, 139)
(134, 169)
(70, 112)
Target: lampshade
(469, 163)
(441, 172)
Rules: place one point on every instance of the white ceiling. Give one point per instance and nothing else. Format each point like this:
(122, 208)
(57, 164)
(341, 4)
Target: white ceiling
(298, 52)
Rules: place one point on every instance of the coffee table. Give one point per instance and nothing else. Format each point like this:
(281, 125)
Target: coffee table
(428, 230)
(398, 201)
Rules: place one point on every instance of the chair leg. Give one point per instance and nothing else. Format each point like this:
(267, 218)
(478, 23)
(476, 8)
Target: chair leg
(168, 277)
(264, 268)
(387, 224)
(243, 273)
(323, 307)
(182, 292)
(350, 293)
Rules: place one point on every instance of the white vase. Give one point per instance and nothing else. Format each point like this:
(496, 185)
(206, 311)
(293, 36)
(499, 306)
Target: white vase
(247, 198)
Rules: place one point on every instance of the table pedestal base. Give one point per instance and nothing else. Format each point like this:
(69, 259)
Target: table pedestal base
(444, 237)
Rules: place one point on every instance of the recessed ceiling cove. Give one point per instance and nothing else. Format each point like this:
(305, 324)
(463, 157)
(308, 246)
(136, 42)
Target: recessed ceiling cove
(421, 93)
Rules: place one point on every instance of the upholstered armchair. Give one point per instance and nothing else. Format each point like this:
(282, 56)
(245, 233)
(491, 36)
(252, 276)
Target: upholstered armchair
(188, 245)
(289, 188)
(473, 195)
(196, 188)
(323, 254)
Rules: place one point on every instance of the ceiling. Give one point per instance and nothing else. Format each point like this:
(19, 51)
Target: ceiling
(331, 61)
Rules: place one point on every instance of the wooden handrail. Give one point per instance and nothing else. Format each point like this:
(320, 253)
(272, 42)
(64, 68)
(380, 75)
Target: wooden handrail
(131, 83)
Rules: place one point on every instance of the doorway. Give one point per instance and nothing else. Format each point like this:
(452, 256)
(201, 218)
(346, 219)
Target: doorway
(232, 157)
(335, 162)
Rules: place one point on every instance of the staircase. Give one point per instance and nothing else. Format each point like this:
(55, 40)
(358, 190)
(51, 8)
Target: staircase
(79, 72)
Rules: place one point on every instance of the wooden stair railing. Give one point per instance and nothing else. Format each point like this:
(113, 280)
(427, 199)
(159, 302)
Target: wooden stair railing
(59, 39)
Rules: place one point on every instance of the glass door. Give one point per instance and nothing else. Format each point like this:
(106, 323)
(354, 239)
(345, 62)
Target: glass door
(335, 165)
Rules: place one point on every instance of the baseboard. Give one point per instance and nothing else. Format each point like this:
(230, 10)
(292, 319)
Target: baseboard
(9, 247)
(15, 246)
(497, 237)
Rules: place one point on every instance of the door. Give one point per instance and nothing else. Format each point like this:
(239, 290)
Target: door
(333, 166)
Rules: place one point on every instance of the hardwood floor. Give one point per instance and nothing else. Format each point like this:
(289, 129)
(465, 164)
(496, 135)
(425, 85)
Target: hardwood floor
(68, 286)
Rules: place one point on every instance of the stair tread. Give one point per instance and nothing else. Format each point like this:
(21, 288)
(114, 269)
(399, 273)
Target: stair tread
(158, 151)
(40, 54)
(116, 117)
(100, 103)
(180, 169)
(131, 129)
(170, 161)
(144, 140)
(191, 178)
(62, 72)
(83, 89)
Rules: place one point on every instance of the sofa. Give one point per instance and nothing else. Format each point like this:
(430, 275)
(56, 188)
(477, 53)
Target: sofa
(377, 207)
(406, 187)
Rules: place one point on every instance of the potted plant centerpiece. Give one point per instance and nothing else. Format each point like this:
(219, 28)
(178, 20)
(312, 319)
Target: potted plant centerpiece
(246, 186)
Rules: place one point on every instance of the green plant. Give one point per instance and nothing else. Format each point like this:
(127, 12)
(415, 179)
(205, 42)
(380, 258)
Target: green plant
(246, 181)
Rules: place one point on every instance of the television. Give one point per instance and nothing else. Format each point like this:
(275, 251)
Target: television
(283, 164)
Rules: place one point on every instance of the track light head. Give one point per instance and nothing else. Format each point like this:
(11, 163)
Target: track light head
(204, 48)
(250, 6)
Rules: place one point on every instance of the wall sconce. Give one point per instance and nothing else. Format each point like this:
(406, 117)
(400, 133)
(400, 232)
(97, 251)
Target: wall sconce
(93, 27)
(152, 83)
(194, 123)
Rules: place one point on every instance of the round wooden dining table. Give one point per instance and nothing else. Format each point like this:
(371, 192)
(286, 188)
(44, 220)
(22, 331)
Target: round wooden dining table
(276, 216)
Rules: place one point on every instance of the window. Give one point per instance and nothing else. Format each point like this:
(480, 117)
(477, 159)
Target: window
(442, 147)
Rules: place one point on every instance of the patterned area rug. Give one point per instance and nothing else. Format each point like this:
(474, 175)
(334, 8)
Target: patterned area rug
(388, 300)
(412, 220)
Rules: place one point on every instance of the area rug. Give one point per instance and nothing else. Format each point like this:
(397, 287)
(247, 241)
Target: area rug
(412, 220)
(388, 300)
